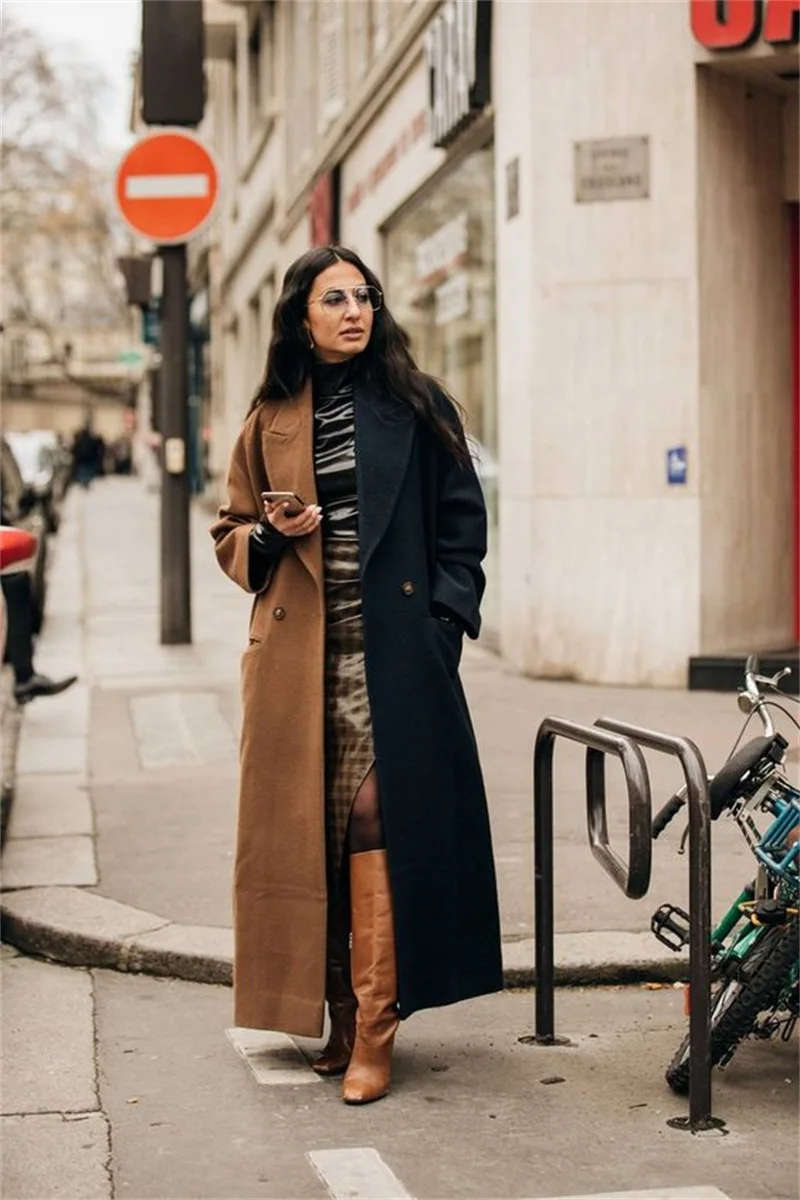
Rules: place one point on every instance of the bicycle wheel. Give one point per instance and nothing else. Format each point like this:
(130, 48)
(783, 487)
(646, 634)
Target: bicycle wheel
(737, 1003)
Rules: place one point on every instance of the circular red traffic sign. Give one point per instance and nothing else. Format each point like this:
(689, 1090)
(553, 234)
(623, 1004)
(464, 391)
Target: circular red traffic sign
(167, 186)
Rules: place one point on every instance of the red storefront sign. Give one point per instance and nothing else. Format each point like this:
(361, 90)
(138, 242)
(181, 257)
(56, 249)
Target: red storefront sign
(734, 24)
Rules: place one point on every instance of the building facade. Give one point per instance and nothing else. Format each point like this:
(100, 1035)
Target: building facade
(585, 215)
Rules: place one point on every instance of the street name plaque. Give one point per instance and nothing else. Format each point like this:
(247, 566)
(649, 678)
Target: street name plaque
(612, 169)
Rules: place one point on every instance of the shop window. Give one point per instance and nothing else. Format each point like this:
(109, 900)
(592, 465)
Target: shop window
(440, 281)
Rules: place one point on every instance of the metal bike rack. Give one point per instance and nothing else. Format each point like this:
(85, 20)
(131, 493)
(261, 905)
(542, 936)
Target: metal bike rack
(624, 740)
(634, 879)
(694, 770)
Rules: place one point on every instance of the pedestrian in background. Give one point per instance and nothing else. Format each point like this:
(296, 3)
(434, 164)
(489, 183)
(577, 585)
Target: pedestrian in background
(87, 455)
(362, 806)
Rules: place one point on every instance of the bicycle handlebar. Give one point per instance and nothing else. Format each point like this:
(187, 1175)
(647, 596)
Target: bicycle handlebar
(664, 815)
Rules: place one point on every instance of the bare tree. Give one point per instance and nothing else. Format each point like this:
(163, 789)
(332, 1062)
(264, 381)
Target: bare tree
(55, 202)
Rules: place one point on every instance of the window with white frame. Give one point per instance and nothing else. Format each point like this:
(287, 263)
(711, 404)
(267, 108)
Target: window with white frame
(331, 43)
(301, 122)
(381, 21)
(358, 40)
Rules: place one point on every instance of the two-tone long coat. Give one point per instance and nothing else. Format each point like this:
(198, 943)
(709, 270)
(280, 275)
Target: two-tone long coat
(422, 533)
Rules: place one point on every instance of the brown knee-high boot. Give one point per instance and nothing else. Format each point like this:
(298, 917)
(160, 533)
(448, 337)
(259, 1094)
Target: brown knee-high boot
(374, 971)
(340, 996)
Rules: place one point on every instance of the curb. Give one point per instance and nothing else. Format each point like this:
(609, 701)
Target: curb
(82, 929)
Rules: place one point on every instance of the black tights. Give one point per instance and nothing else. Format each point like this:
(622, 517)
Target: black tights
(365, 830)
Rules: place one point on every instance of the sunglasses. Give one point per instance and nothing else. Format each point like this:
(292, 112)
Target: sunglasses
(335, 300)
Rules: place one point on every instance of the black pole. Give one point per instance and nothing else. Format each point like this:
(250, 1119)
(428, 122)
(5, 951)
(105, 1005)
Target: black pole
(543, 886)
(176, 616)
(699, 941)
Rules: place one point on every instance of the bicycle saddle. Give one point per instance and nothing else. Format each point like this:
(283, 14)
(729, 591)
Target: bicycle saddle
(724, 787)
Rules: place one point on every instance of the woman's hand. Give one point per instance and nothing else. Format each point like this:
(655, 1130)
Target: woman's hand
(300, 526)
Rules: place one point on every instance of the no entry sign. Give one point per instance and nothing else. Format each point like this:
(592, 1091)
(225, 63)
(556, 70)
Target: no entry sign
(167, 186)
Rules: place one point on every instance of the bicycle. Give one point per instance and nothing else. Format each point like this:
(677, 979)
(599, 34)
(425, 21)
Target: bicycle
(754, 947)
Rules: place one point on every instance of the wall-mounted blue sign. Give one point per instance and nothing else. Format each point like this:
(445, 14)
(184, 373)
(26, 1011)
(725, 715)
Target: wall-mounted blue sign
(676, 465)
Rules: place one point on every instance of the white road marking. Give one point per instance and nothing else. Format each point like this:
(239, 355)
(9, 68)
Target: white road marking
(357, 1173)
(680, 1193)
(166, 187)
(273, 1058)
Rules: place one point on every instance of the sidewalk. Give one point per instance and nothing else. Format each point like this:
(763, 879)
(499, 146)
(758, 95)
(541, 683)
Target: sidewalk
(120, 843)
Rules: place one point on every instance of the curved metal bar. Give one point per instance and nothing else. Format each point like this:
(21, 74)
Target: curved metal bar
(694, 770)
(633, 877)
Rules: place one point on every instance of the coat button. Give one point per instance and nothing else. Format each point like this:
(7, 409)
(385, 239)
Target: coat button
(279, 614)
(407, 588)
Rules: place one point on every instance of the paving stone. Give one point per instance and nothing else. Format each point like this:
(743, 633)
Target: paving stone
(51, 805)
(62, 716)
(49, 861)
(52, 1156)
(181, 729)
(48, 1039)
(51, 755)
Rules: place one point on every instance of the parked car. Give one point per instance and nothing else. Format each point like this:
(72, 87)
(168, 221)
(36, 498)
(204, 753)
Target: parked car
(45, 464)
(20, 507)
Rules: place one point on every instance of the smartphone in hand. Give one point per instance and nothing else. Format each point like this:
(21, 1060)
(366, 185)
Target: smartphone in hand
(295, 504)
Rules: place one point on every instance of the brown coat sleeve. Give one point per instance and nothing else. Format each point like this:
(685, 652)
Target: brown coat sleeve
(247, 478)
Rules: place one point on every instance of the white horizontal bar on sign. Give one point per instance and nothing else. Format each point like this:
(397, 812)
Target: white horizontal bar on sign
(357, 1173)
(166, 187)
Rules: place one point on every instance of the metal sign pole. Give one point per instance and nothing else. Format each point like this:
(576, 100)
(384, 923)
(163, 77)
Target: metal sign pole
(176, 616)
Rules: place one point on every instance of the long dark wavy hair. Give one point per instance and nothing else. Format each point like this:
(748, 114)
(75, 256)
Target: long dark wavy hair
(386, 361)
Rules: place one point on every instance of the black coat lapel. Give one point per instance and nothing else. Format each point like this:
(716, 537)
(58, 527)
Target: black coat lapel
(384, 437)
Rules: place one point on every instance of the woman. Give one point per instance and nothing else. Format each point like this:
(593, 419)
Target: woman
(362, 808)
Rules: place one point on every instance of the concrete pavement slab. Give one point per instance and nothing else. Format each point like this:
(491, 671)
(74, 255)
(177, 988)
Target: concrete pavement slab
(469, 1117)
(181, 728)
(165, 841)
(49, 861)
(50, 806)
(73, 926)
(48, 1039)
(54, 1156)
(61, 716)
(51, 755)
